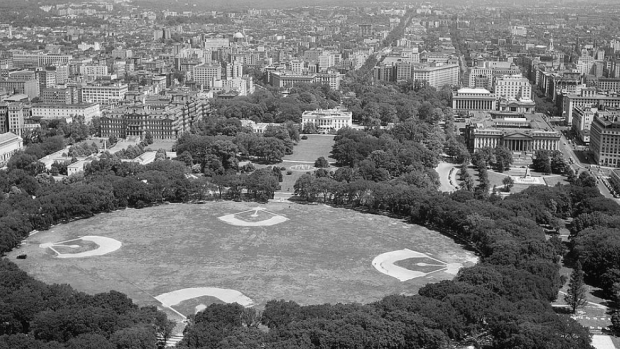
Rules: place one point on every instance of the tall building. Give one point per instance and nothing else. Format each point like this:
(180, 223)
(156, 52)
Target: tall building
(513, 87)
(365, 30)
(582, 121)
(605, 140)
(46, 78)
(234, 70)
(103, 94)
(437, 76)
(30, 87)
(67, 95)
(207, 74)
(16, 117)
(587, 97)
(92, 72)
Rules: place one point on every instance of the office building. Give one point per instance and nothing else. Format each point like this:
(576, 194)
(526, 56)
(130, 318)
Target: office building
(103, 94)
(67, 95)
(207, 74)
(29, 88)
(512, 87)
(437, 76)
(65, 111)
(605, 140)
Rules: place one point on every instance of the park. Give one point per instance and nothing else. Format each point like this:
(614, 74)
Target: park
(182, 257)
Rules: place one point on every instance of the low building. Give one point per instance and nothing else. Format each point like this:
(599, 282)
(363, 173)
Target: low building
(284, 80)
(515, 131)
(327, 120)
(470, 99)
(78, 166)
(65, 111)
(605, 140)
(10, 143)
(164, 122)
(258, 127)
(522, 105)
(104, 94)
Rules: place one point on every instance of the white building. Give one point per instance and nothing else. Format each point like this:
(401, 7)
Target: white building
(513, 87)
(437, 76)
(207, 74)
(327, 120)
(104, 94)
(92, 72)
(65, 111)
(10, 143)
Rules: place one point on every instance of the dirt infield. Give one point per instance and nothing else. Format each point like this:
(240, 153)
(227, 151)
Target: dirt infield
(104, 246)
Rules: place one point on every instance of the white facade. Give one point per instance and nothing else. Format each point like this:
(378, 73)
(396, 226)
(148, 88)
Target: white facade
(105, 94)
(327, 120)
(10, 143)
(93, 71)
(513, 87)
(438, 76)
(207, 74)
(64, 111)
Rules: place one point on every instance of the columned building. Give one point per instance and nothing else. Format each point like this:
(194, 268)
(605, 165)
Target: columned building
(515, 131)
(473, 99)
(10, 143)
(327, 120)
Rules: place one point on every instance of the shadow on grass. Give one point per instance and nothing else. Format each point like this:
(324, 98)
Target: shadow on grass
(464, 244)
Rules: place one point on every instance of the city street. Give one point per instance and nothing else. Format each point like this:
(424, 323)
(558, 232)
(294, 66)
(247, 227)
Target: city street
(582, 161)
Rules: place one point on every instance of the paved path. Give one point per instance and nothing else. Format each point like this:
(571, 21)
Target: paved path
(602, 342)
(443, 169)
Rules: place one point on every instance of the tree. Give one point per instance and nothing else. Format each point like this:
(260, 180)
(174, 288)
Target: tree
(503, 158)
(508, 183)
(542, 161)
(148, 137)
(112, 139)
(576, 294)
(615, 322)
(558, 165)
(321, 162)
(309, 128)
(585, 179)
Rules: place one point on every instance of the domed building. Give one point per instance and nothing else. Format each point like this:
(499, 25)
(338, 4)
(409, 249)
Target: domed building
(238, 37)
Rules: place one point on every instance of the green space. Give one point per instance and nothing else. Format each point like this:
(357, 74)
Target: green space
(321, 254)
(305, 152)
(308, 150)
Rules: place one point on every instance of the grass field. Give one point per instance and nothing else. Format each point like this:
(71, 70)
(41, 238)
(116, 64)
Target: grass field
(310, 149)
(321, 254)
(306, 152)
